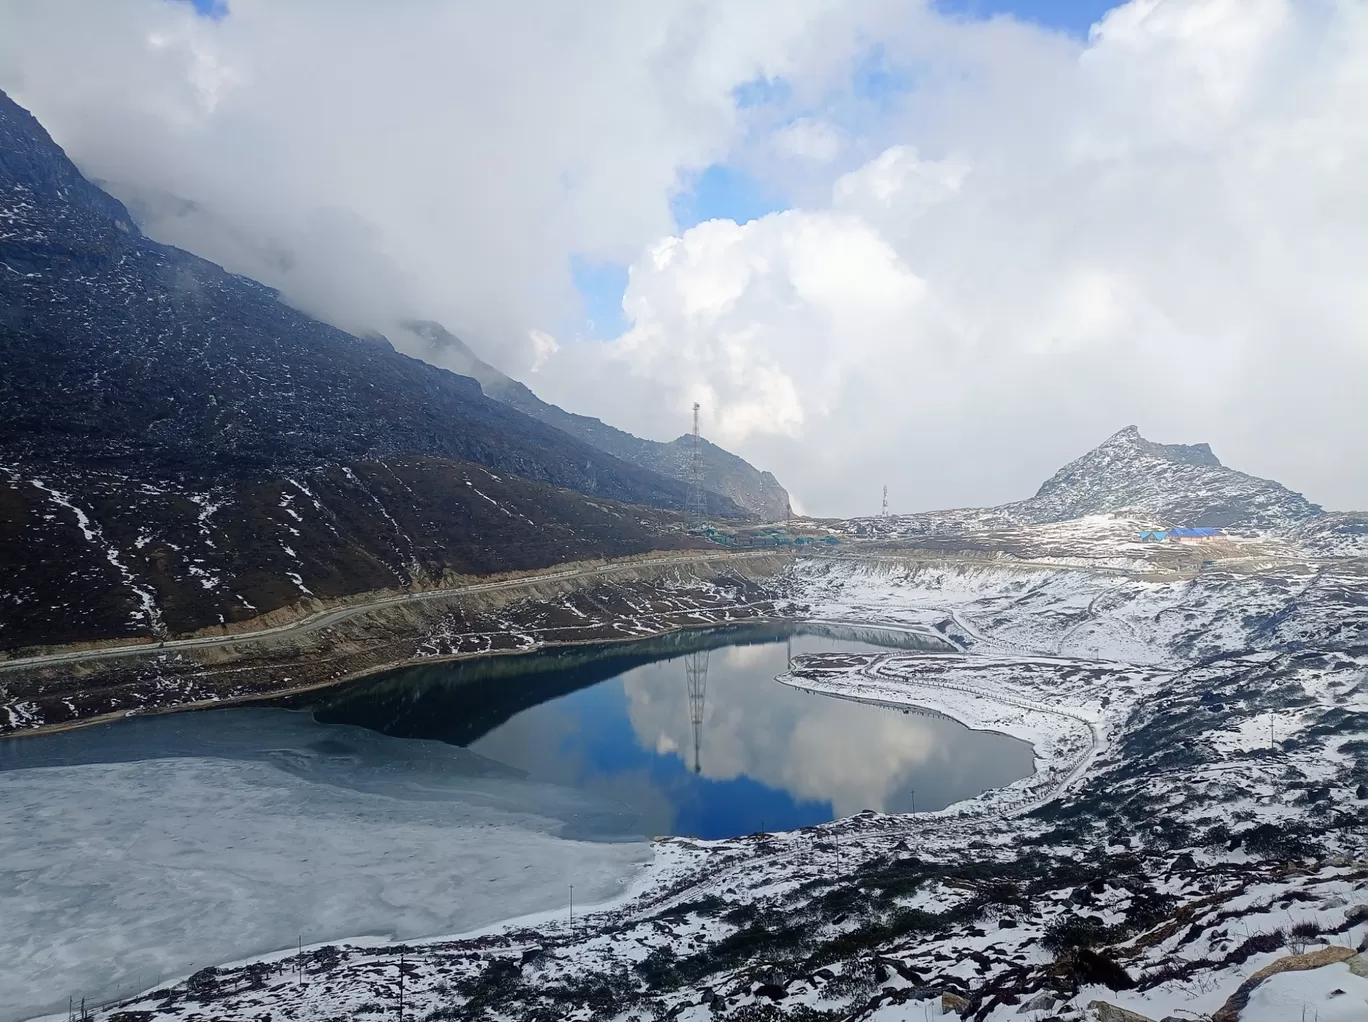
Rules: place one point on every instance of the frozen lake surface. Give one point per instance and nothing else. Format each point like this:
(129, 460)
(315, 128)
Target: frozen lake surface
(146, 849)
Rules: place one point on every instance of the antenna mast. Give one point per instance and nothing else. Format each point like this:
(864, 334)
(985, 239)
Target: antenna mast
(695, 505)
(884, 512)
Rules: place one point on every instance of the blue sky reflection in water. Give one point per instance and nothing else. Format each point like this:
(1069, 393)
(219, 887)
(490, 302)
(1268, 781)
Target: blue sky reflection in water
(769, 756)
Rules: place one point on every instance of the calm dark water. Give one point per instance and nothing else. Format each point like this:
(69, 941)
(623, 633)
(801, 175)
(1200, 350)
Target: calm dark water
(692, 733)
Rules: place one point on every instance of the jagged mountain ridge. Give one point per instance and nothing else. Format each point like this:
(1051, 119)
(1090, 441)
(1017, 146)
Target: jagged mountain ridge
(1156, 485)
(125, 354)
(757, 491)
(1170, 484)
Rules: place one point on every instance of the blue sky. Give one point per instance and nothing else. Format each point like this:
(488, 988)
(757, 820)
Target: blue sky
(1071, 16)
(211, 8)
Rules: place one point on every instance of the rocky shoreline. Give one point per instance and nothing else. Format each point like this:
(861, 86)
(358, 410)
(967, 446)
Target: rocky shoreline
(631, 602)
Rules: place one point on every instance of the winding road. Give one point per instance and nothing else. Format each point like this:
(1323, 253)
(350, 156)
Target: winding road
(323, 618)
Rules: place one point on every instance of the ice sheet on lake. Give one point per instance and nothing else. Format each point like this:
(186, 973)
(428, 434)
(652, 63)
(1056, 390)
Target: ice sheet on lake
(254, 827)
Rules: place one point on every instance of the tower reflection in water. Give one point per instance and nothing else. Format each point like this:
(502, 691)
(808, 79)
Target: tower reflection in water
(696, 677)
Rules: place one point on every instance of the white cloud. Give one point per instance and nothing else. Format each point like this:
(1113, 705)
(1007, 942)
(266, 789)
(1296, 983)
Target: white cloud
(543, 347)
(808, 138)
(376, 160)
(1167, 227)
(1040, 241)
(897, 179)
(763, 322)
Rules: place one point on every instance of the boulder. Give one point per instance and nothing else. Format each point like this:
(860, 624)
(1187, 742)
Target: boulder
(953, 1003)
(1040, 1002)
(532, 956)
(203, 985)
(1230, 1011)
(1105, 1011)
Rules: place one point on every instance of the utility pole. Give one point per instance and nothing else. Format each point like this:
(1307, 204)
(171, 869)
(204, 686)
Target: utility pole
(401, 986)
(572, 903)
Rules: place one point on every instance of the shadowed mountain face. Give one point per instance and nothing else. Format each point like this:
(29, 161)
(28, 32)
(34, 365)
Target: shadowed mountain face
(722, 472)
(178, 448)
(129, 355)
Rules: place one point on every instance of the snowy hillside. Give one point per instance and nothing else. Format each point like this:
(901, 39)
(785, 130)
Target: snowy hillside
(1190, 845)
(1154, 485)
(1169, 484)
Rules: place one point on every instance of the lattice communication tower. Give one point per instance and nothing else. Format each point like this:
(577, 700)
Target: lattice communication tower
(695, 506)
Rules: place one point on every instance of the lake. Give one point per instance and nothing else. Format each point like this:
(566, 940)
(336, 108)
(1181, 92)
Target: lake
(692, 732)
(430, 801)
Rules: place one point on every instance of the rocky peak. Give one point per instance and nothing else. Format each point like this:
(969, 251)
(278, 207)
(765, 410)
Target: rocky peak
(1129, 443)
(1165, 484)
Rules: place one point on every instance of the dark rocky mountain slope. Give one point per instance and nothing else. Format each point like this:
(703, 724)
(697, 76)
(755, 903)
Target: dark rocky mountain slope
(170, 217)
(161, 421)
(130, 355)
(722, 472)
(100, 555)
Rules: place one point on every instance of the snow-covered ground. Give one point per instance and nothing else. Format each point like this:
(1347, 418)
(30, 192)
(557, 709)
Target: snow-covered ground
(1162, 858)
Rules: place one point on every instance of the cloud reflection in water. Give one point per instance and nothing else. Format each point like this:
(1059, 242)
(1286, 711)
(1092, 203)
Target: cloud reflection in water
(770, 756)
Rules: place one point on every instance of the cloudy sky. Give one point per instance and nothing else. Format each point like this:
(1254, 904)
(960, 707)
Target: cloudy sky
(945, 247)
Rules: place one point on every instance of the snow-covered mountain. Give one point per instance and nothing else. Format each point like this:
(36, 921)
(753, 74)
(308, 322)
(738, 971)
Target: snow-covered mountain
(1154, 486)
(1170, 484)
